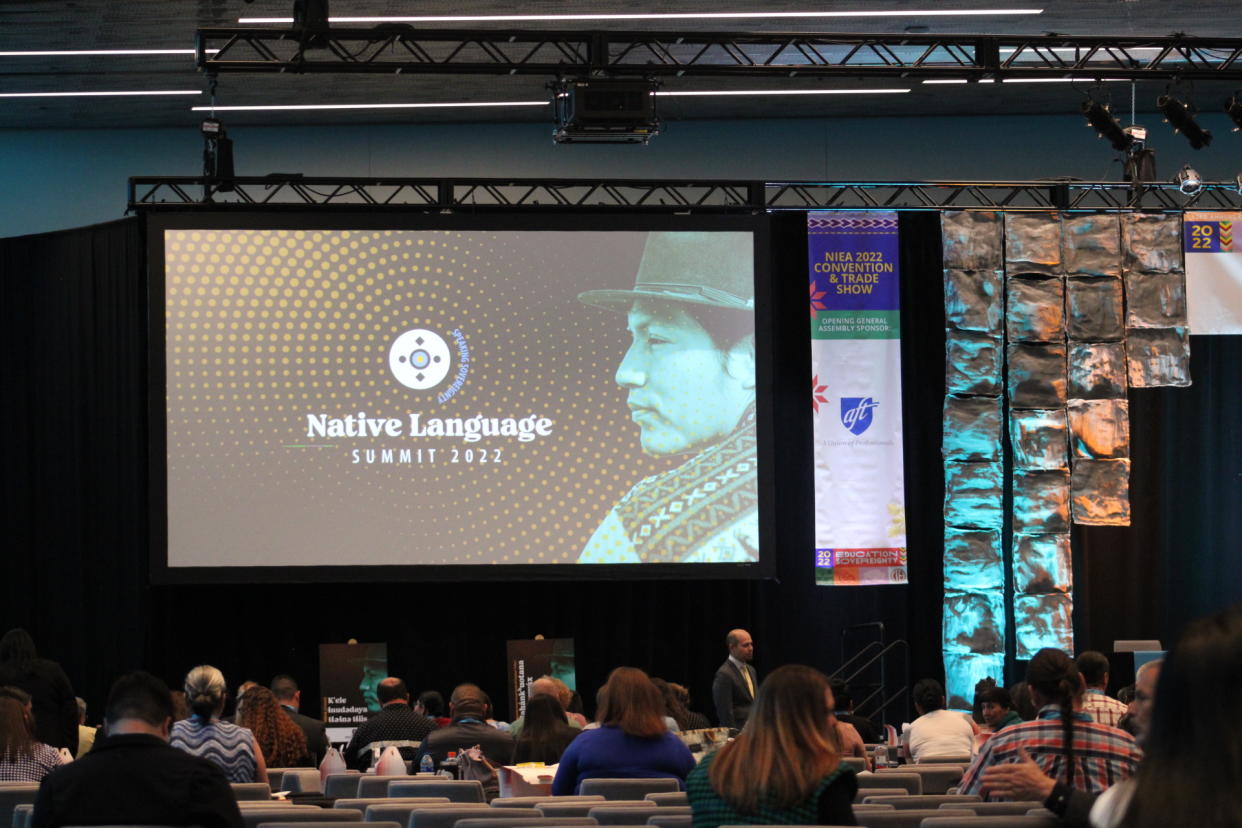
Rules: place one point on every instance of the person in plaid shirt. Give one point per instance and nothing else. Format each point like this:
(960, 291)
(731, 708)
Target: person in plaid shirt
(1094, 669)
(1063, 740)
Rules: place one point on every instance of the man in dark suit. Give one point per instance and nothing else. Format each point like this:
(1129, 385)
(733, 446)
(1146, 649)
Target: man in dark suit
(133, 776)
(286, 691)
(733, 688)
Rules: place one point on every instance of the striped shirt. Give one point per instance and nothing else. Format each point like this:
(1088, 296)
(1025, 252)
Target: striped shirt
(1103, 755)
(1103, 709)
(42, 760)
(227, 745)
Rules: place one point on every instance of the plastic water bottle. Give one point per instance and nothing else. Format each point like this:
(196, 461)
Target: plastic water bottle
(881, 756)
(427, 764)
(449, 767)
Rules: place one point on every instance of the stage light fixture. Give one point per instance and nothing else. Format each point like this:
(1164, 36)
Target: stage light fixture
(217, 153)
(1233, 108)
(605, 110)
(1106, 125)
(1182, 119)
(1188, 180)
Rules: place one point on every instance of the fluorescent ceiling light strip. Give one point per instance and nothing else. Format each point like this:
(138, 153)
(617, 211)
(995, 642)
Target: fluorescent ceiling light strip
(1065, 80)
(111, 93)
(948, 80)
(99, 52)
(765, 92)
(764, 15)
(292, 107)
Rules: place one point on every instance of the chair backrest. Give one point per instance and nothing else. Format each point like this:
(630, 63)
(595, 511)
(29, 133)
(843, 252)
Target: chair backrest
(329, 824)
(863, 793)
(859, 808)
(21, 815)
(992, 822)
(378, 785)
(536, 801)
(671, 820)
(300, 780)
(856, 762)
(362, 803)
(13, 794)
(925, 801)
(251, 790)
(502, 821)
(629, 816)
(1000, 808)
(628, 788)
(911, 783)
(937, 779)
(912, 818)
(442, 817)
(398, 810)
(274, 775)
(669, 798)
(457, 790)
(963, 759)
(337, 785)
(556, 808)
(254, 817)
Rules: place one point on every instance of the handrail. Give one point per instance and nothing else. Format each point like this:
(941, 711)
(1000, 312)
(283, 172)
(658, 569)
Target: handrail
(853, 658)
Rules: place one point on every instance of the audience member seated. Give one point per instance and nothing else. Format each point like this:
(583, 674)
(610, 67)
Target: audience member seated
(665, 696)
(690, 719)
(981, 686)
(1093, 667)
(559, 691)
(937, 733)
(632, 740)
(1193, 744)
(54, 706)
(205, 734)
(469, 711)
(1064, 741)
(1020, 693)
(844, 712)
(23, 758)
(133, 777)
(286, 691)
(431, 704)
(998, 712)
(395, 724)
(86, 735)
(545, 733)
(280, 740)
(784, 767)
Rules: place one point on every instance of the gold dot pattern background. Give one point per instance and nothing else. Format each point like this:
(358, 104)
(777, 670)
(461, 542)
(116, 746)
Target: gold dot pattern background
(266, 327)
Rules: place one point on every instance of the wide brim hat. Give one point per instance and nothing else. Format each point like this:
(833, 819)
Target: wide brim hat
(697, 268)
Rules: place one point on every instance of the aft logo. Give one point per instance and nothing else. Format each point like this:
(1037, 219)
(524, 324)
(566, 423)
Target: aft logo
(856, 413)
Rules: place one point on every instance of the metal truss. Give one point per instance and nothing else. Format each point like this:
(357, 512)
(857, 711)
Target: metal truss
(402, 48)
(600, 195)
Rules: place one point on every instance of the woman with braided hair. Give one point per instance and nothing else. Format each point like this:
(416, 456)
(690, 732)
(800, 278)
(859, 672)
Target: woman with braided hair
(282, 742)
(1067, 745)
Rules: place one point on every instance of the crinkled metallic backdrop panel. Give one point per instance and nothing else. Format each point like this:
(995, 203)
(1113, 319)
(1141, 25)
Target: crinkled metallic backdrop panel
(972, 559)
(973, 493)
(1158, 357)
(1100, 492)
(972, 428)
(972, 363)
(1097, 370)
(1032, 243)
(1039, 438)
(1100, 428)
(1152, 243)
(1041, 501)
(1035, 309)
(972, 300)
(972, 240)
(1043, 620)
(1094, 309)
(1042, 563)
(1036, 375)
(1092, 245)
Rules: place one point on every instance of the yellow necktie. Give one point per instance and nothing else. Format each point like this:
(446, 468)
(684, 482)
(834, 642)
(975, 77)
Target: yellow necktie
(750, 688)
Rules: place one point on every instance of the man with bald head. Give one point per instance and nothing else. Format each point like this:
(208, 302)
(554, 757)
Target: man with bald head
(395, 724)
(469, 708)
(689, 380)
(733, 688)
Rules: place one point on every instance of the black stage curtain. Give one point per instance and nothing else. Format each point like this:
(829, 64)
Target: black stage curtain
(76, 491)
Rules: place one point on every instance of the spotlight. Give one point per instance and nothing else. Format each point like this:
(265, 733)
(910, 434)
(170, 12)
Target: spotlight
(1106, 125)
(217, 154)
(1233, 108)
(1182, 119)
(1188, 180)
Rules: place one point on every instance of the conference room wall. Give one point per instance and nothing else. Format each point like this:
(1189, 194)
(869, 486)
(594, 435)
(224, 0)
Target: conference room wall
(55, 179)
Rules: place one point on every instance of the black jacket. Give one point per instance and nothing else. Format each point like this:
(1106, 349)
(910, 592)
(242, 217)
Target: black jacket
(316, 734)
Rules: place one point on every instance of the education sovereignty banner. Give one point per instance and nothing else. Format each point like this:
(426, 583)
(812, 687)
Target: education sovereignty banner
(1214, 272)
(860, 512)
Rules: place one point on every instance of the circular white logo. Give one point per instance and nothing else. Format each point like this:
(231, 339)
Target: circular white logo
(419, 359)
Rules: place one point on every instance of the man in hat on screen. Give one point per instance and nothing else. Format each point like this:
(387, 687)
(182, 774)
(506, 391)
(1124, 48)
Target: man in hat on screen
(689, 374)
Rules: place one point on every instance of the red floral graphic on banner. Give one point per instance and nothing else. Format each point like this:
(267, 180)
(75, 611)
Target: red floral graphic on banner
(817, 392)
(816, 304)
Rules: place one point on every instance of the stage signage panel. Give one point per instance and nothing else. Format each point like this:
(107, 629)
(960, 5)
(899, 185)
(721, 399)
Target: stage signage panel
(1213, 244)
(348, 677)
(860, 515)
(531, 658)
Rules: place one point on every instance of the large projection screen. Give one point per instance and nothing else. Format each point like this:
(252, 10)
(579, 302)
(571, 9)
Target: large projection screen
(457, 397)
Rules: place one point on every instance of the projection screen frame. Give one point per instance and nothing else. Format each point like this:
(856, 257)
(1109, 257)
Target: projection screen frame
(158, 221)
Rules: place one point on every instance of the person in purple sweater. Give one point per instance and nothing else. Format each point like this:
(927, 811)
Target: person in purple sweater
(632, 740)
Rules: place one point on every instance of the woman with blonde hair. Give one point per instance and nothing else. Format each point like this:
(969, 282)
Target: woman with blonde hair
(205, 734)
(784, 767)
(280, 740)
(632, 739)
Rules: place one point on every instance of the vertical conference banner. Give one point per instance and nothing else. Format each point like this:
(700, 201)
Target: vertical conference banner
(860, 511)
(1214, 272)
